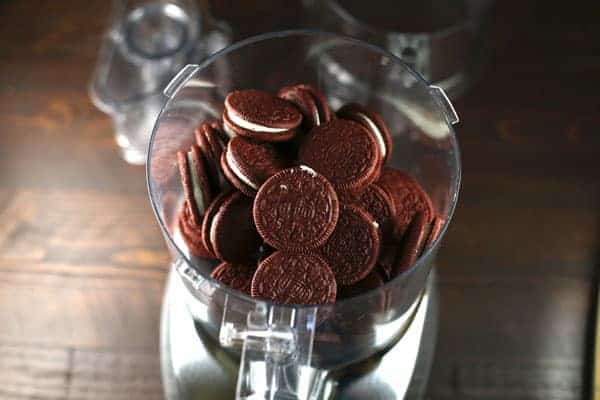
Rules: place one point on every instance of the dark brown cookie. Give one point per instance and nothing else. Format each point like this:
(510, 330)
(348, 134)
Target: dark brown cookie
(233, 180)
(409, 198)
(287, 278)
(212, 146)
(372, 281)
(194, 179)
(344, 152)
(248, 164)
(236, 276)
(209, 215)
(311, 103)
(373, 122)
(413, 243)
(436, 227)
(260, 115)
(233, 236)
(192, 234)
(212, 169)
(296, 210)
(377, 201)
(325, 112)
(217, 125)
(353, 247)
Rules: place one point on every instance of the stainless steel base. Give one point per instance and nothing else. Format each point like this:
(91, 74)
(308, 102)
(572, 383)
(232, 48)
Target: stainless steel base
(194, 368)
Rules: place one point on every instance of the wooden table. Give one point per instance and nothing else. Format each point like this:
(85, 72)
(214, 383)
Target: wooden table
(83, 264)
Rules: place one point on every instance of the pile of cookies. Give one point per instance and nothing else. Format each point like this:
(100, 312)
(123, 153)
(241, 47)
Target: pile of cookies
(296, 201)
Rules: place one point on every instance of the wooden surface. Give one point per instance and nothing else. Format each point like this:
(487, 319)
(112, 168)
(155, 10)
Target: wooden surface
(83, 264)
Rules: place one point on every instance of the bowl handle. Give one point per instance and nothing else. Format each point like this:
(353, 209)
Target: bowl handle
(276, 344)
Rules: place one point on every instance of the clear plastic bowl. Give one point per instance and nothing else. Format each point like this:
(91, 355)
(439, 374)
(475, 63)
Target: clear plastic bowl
(285, 349)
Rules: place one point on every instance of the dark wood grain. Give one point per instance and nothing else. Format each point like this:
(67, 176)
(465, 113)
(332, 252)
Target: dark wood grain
(83, 264)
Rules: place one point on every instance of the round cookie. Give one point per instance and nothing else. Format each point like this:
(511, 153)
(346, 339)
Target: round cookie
(236, 276)
(296, 210)
(436, 227)
(233, 236)
(192, 234)
(377, 201)
(409, 198)
(370, 282)
(217, 125)
(248, 164)
(194, 179)
(311, 103)
(373, 122)
(344, 152)
(353, 247)
(212, 148)
(233, 180)
(260, 115)
(325, 112)
(412, 245)
(209, 215)
(288, 278)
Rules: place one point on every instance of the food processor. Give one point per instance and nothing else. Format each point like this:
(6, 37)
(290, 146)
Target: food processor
(217, 342)
(443, 40)
(147, 42)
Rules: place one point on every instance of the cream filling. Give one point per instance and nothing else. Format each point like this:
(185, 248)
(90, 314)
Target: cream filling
(198, 197)
(376, 131)
(233, 166)
(308, 169)
(242, 123)
(228, 130)
(317, 117)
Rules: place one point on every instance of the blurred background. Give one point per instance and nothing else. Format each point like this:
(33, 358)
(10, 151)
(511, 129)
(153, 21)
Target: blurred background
(83, 263)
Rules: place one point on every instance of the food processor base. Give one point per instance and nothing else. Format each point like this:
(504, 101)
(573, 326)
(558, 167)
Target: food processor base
(194, 368)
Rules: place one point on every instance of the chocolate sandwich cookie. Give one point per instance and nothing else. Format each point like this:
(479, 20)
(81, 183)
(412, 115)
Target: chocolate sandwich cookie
(247, 164)
(373, 122)
(436, 227)
(344, 152)
(296, 210)
(353, 247)
(409, 198)
(192, 234)
(379, 203)
(288, 278)
(368, 283)
(209, 215)
(194, 179)
(212, 147)
(260, 115)
(233, 236)
(311, 103)
(236, 276)
(413, 244)
(217, 125)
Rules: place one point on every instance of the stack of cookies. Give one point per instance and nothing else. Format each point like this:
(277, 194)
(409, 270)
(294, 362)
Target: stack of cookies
(296, 201)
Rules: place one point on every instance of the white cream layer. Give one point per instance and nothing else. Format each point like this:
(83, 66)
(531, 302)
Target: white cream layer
(228, 130)
(242, 123)
(376, 131)
(198, 198)
(236, 171)
(317, 118)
